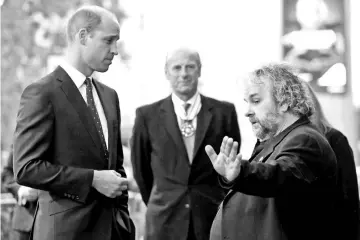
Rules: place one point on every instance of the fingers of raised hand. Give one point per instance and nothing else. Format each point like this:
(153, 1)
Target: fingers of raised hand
(211, 153)
(228, 146)
(237, 160)
(223, 144)
(238, 157)
(233, 151)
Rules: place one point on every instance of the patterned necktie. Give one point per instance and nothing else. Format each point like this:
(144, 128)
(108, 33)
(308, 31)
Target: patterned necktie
(92, 107)
(187, 129)
(188, 133)
(186, 107)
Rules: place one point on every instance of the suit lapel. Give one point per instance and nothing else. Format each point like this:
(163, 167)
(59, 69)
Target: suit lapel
(171, 124)
(263, 155)
(203, 122)
(73, 95)
(110, 114)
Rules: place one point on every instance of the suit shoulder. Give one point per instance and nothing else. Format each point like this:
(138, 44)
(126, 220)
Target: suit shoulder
(106, 87)
(307, 130)
(42, 86)
(308, 135)
(334, 137)
(333, 133)
(151, 107)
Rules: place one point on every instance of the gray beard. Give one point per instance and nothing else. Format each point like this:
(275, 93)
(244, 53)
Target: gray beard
(265, 133)
(268, 127)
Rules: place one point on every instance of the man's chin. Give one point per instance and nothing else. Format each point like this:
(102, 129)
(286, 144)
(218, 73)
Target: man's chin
(103, 69)
(259, 133)
(187, 91)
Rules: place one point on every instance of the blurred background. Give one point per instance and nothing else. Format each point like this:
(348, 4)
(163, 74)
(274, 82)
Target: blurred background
(319, 37)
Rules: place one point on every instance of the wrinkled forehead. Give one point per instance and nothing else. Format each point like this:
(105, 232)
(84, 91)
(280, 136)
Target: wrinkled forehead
(256, 86)
(182, 55)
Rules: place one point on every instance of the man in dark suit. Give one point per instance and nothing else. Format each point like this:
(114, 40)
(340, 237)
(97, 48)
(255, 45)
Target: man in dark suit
(67, 139)
(175, 178)
(287, 189)
(23, 212)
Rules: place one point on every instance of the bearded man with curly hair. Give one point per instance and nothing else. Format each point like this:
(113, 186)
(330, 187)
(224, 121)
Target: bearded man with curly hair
(287, 189)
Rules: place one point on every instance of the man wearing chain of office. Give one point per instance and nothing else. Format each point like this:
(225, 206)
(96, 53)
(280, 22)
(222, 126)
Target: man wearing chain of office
(175, 178)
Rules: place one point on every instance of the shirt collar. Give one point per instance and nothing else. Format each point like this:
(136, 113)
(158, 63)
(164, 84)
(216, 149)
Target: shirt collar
(180, 103)
(77, 77)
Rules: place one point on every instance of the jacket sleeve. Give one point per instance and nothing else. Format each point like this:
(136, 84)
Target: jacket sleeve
(140, 156)
(295, 168)
(7, 176)
(33, 145)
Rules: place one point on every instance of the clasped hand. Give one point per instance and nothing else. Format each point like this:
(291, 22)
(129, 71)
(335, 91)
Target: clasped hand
(109, 183)
(26, 194)
(227, 162)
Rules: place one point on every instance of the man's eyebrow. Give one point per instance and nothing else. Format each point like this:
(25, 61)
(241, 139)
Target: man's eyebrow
(112, 36)
(253, 95)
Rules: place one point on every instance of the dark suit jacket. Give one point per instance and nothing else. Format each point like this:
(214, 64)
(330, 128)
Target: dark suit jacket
(23, 216)
(56, 148)
(287, 191)
(348, 202)
(171, 188)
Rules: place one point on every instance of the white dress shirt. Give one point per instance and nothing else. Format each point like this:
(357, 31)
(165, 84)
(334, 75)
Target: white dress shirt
(194, 109)
(79, 80)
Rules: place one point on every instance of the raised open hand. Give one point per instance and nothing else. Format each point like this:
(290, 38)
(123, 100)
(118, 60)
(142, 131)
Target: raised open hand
(227, 162)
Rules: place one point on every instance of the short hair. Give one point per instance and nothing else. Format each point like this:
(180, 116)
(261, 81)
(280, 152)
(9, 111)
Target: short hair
(184, 49)
(88, 17)
(287, 88)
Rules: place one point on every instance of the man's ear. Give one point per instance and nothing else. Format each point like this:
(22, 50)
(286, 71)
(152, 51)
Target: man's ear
(284, 107)
(82, 34)
(165, 69)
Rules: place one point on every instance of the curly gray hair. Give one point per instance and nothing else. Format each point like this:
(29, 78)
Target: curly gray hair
(287, 88)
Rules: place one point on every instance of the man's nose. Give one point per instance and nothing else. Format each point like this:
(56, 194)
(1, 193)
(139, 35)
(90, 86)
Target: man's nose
(114, 49)
(249, 112)
(183, 72)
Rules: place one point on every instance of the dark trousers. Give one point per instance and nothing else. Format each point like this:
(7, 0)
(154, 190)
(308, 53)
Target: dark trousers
(191, 233)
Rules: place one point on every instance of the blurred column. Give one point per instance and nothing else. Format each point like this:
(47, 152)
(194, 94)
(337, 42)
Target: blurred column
(316, 40)
(353, 7)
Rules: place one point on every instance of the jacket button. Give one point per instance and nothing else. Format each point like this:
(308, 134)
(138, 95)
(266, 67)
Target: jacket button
(187, 205)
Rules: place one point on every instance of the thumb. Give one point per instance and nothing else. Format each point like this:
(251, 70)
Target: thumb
(211, 153)
(238, 159)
